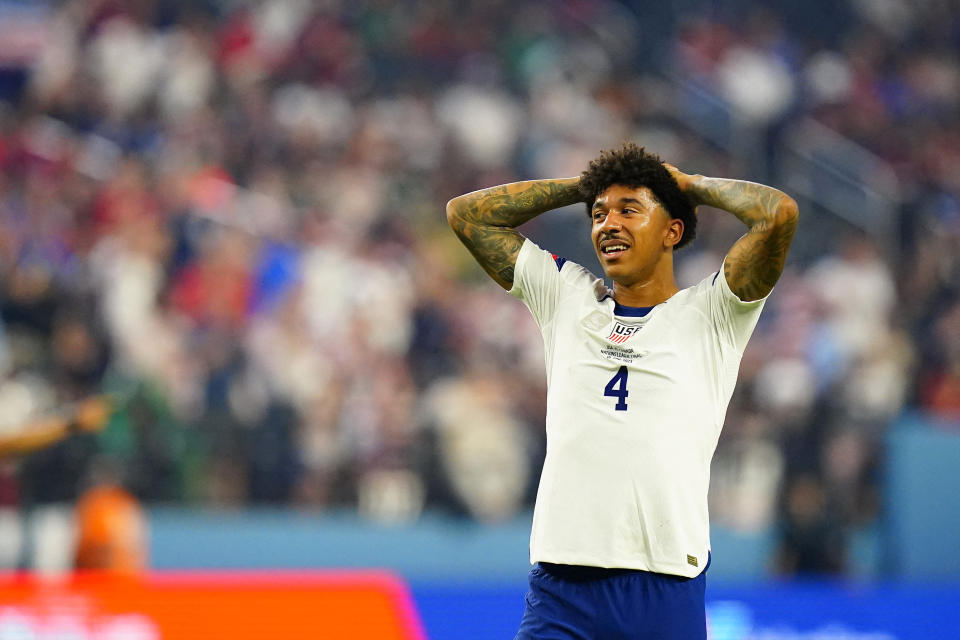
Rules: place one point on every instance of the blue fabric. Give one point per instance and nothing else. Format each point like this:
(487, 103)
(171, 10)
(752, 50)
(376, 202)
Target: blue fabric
(633, 312)
(626, 605)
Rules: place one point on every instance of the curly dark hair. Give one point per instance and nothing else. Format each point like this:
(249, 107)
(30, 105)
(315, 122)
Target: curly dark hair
(632, 166)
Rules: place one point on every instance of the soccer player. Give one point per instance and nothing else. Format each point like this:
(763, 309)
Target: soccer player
(638, 382)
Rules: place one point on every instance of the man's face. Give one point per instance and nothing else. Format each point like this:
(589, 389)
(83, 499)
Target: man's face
(630, 232)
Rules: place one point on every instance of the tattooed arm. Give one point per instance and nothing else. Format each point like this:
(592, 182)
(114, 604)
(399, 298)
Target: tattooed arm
(756, 260)
(486, 220)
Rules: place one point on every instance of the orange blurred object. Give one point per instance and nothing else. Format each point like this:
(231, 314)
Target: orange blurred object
(333, 605)
(111, 531)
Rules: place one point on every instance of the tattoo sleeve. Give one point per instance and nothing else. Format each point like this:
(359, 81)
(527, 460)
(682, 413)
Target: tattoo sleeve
(755, 262)
(486, 220)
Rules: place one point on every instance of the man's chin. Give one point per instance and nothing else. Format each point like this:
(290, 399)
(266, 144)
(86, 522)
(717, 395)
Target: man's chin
(621, 274)
(613, 270)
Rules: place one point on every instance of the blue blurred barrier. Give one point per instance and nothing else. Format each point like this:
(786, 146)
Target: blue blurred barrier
(922, 500)
(433, 548)
(808, 611)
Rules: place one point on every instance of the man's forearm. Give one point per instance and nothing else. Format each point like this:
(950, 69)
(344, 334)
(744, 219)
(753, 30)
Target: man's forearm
(486, 220)
(754, 263)
(510, 205)
(754, 204)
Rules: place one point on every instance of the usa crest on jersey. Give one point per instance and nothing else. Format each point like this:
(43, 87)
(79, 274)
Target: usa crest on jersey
(622, 332)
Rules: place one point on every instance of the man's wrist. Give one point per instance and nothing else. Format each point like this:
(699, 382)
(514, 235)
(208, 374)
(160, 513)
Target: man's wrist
(696, 188)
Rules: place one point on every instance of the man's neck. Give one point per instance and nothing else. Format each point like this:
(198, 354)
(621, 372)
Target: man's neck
(650, 291)
(644, 294)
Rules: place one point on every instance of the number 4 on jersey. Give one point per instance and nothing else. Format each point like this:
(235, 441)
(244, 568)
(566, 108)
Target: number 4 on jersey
(617, 388)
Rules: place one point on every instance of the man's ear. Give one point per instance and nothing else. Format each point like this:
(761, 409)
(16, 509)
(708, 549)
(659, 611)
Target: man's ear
(674, 232)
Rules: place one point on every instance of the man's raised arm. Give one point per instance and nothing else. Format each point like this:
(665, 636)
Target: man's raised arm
(486, 220)
(756, 260)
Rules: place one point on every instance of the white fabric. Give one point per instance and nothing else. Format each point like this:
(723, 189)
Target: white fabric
(628, 488)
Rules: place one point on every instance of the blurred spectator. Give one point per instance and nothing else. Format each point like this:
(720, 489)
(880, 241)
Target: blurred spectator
(940, 390)
(481, 446)
(812, 537)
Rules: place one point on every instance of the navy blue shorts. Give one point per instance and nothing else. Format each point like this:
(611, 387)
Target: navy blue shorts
(589, 603)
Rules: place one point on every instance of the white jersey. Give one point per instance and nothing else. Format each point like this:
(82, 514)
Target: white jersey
(635, 402)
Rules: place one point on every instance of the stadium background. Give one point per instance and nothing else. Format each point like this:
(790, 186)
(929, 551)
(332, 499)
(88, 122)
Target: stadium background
(230, 215)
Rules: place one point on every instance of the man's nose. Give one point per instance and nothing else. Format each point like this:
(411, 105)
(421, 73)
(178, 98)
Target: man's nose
(611, 222)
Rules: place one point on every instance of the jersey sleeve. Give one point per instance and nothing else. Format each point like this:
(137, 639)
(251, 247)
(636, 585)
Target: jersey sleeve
(537, 280)
(733, 319)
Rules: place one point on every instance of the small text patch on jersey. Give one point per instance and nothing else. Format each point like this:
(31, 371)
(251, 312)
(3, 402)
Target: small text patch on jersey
(621, 332)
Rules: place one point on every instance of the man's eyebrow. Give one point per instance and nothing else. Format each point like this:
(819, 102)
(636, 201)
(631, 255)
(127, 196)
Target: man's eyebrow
(597, 203)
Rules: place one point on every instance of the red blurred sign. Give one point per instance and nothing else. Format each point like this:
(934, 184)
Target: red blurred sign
(209, 605)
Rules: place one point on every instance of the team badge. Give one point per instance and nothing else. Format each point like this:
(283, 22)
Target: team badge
(621, 332)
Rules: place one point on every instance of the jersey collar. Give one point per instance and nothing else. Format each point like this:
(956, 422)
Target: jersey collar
(631, 312)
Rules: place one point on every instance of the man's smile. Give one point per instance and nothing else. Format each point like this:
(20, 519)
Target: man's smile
(612, 248)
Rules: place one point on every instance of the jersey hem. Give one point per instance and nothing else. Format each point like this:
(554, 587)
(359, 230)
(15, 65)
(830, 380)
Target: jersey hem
(679, 569)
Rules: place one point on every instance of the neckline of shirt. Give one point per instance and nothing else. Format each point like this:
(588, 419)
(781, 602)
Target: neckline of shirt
(630, 312)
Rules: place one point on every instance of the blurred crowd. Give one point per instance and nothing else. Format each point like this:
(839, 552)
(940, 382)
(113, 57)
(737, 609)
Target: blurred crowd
(229, 216)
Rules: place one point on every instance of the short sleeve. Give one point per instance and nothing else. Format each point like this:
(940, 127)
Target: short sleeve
(536, 281)
(733, 319)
